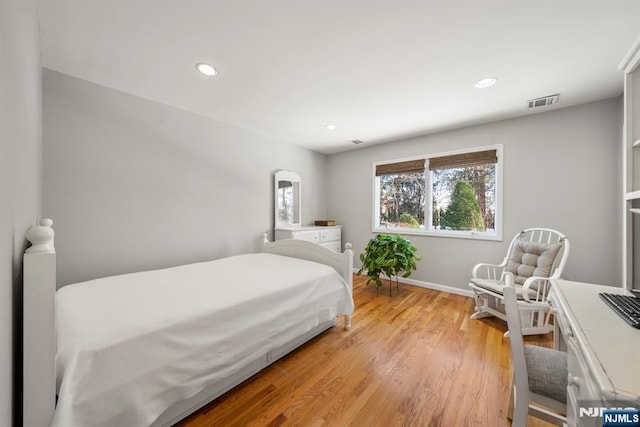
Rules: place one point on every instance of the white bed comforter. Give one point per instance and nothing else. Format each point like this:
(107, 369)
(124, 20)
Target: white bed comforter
(130, 346)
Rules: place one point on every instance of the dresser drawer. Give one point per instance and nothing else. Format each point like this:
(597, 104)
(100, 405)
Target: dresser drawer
(582, 390)
(308, 235)
(563, 329)
(330, 237)
(330, 234)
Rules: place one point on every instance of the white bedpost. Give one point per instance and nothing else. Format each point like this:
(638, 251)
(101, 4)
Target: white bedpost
(39, 339)
(348, 275)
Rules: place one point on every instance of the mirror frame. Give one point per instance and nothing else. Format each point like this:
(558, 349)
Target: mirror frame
(282, 175)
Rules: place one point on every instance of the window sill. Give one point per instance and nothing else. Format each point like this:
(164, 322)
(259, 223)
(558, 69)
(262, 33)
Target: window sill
(471, 235)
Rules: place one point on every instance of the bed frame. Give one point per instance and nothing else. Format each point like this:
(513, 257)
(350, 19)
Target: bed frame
(39, 342)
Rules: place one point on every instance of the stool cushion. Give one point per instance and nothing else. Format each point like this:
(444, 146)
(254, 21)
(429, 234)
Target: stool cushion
(547, 371)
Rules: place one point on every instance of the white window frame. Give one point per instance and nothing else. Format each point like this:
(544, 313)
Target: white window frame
(460, 234)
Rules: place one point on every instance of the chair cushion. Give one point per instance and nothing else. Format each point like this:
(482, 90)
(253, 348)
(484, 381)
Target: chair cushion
(496, 286)
(547, 371)
(531, 259)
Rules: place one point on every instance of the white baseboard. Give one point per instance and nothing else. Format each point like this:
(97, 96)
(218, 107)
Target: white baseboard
(434, 286)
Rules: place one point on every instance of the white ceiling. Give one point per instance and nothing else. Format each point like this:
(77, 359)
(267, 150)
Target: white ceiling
(380, 70)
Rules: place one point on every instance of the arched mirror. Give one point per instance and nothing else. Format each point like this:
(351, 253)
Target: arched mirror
(287, 198)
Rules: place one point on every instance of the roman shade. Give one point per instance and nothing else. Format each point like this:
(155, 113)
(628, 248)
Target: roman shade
(465, 159)
(400, 167)
(443, 162)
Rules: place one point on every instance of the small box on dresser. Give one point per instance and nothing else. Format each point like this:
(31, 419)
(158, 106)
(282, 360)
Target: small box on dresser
(327, 236)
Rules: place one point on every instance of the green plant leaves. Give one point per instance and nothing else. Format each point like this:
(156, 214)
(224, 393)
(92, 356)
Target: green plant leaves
(390, 254)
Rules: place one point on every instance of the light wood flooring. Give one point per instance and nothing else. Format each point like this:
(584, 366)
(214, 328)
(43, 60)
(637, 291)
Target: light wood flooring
(413, 359)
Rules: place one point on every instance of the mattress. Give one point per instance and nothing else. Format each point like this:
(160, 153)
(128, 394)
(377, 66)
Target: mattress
(130, 346)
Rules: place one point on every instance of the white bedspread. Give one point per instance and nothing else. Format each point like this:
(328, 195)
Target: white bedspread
(130, 346)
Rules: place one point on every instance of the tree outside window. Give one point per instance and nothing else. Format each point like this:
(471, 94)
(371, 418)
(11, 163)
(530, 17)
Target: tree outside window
(402, 200)
(468, 195)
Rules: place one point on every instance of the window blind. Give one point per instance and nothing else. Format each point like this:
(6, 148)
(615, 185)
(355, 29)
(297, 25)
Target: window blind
(400, 167)
(464, 159)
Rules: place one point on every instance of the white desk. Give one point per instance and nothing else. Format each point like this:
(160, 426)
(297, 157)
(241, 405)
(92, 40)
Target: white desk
(603, 351)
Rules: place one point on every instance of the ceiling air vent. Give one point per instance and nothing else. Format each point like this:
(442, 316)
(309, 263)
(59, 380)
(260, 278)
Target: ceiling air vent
(544, 101)
(357, 141)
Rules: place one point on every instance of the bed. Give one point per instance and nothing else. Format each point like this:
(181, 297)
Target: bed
(149, 348)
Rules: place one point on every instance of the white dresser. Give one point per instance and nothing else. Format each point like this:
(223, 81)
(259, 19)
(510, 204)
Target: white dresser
(603, 352)
(327, 236)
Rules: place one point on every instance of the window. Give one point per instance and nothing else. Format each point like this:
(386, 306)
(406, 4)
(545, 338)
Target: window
(451, 194)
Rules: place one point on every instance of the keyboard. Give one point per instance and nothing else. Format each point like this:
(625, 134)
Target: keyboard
(625, 306)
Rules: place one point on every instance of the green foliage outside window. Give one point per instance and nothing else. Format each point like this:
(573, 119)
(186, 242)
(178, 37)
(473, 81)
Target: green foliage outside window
(408, 220)
(463, 213)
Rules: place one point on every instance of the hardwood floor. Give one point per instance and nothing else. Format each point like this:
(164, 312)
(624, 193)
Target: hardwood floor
(413, 359)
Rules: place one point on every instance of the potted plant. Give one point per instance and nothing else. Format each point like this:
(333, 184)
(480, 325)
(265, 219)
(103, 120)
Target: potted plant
(388, 254)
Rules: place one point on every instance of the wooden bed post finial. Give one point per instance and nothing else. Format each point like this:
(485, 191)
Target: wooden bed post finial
(41, 238)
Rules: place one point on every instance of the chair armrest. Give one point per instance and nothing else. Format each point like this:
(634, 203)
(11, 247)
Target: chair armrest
(487, 271)
(508, 279)
(540, 285)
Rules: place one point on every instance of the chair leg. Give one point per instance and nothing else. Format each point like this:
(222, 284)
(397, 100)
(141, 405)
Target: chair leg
(520, 410)
(481, 307)
(518, 407)
(511, 403)
(480, 315)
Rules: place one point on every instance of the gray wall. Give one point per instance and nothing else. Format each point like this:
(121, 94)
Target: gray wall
(561, 170)
(134, 185)
(20, 182)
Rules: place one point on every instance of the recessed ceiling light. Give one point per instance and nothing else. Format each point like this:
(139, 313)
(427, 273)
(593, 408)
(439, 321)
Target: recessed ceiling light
(486, 82)
(206, 69)
(331, 127)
